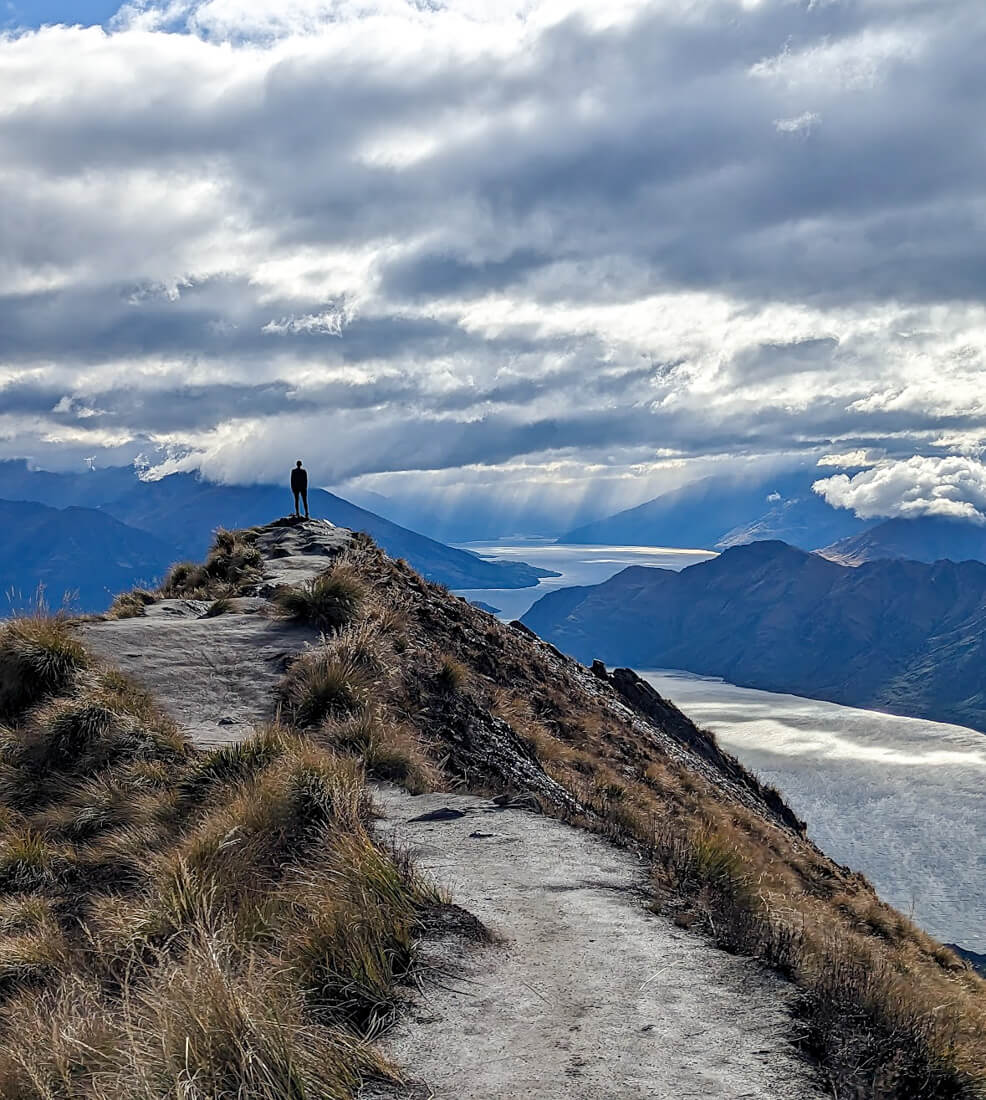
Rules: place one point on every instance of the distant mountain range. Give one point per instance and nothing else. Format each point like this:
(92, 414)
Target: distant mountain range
(78, 553)
(901, 636)
(715, 514)
(925, 538)
(131, 530)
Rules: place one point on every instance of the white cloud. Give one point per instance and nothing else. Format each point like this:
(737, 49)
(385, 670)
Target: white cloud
(849, 459)
(494, 235)
(919, 486)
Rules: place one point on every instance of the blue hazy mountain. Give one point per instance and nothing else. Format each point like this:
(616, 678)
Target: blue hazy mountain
(896, 635)
(924, 538)
(190, 509)
(87, 488)
(715, 513)
(80, 554)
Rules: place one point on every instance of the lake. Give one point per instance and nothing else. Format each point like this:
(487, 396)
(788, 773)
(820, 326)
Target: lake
(900, 799)
(577, 565)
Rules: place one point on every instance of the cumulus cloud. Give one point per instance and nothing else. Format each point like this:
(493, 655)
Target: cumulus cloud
(417, 237)
(954, 487)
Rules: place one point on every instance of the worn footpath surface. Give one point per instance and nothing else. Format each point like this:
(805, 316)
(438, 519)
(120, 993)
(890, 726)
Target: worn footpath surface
(584, 992)
(216, 676)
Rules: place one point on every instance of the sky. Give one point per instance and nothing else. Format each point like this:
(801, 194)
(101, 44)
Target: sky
(559, 253)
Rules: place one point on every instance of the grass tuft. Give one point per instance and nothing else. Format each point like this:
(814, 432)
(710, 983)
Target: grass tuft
(131, 605)
(452, 676)
(320, 684)
(388, 749)
(328, 602)
(39, 657)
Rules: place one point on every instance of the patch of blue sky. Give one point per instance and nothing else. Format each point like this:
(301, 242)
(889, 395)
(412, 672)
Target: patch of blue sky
(30, 14)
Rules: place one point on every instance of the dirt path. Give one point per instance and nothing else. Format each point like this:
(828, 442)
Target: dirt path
(216, 677)
(588, 994)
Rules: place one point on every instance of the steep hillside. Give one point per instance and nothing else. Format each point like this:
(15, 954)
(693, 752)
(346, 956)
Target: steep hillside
(422, 689)
(74, 554)
(927, 539)
(896, 635)
(716, 513)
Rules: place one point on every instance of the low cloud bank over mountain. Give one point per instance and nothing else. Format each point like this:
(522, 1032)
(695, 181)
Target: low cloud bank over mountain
(605, 246)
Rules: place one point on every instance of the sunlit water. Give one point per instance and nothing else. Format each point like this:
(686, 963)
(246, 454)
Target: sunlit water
(577, 564)
(900, 799)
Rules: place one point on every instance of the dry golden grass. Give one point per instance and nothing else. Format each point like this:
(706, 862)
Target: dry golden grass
(188, 924)
(131, 605)
(327, 602)
(388, 748)
(232, 568)
(39, 656)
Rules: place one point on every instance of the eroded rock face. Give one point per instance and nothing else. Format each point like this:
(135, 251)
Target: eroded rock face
(483, 748)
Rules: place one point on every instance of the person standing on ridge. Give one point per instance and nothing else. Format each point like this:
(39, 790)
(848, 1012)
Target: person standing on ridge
(299, 486)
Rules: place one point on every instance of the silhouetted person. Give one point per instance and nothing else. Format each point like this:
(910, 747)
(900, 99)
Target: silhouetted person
(299, 486)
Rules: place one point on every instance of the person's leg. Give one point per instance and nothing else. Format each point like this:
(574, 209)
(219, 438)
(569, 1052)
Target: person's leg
(304, 497)
(297, 512)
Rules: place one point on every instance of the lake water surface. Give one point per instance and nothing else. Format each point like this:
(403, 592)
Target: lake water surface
(577, 565)
(900, 799)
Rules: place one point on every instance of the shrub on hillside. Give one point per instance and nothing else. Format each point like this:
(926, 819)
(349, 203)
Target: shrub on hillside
(328, 602)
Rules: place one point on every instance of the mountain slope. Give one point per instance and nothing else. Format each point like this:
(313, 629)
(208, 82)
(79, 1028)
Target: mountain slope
(896, 635)
(496, 710)
(190, 509)
(714, 513)
(925, 538)
(77, 552)
(87, 489)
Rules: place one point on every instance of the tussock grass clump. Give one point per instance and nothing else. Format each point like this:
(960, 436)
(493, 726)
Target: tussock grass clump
(240, 847)
(232, 568)
(452, 676)
(82, 734)
(191, 924)
(131, 605)
(355, 935)
(328, 602)
(39, 657)
(222, 606)
(320, 683)
(184, 578)
(28, 862)
(388, 749)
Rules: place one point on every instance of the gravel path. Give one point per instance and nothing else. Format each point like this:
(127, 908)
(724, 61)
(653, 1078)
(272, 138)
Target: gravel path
(587, 993)
(216, 677)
